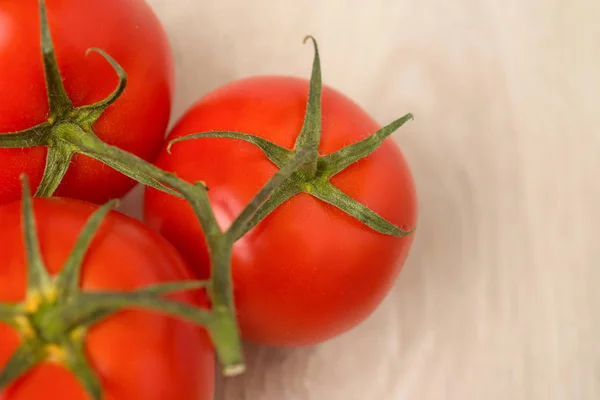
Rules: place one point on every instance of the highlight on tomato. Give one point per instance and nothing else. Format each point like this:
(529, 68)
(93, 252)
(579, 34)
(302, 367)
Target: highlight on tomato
(330, 242)
(101, 69)
(78, 288)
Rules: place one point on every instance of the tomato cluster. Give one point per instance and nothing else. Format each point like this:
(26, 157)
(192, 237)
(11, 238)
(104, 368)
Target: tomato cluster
(276, 210)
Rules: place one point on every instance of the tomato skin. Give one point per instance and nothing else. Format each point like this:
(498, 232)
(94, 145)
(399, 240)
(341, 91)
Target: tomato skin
(128, 31)
(138, 354)
(309, 271)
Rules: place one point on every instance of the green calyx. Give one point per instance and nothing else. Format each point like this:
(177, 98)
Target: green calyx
(66, 122)
(313, 177)
(56, 315)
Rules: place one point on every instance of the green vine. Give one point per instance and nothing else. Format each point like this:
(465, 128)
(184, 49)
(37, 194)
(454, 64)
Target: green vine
(60, 313)
(56, 315)
(313, 177)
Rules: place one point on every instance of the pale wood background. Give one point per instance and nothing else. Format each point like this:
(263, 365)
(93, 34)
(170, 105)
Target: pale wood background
(500, 298)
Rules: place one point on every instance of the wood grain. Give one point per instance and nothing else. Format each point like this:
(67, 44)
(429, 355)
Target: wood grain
(499, 298)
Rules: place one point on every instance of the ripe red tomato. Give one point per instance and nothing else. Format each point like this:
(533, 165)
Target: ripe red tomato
(309, 271)
(128, 31)
(137, 354)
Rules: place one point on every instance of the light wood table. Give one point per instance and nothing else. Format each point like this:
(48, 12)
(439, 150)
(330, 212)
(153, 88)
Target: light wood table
(500, 299)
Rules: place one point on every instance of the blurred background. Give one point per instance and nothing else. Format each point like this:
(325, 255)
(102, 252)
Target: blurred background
(499, 298)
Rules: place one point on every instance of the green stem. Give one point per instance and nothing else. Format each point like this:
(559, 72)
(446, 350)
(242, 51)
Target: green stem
(37, 276)
(78, 363)
(92, 307)
(32, 137)
(277, 198)
(87, 143)
(67, 131)
(56, 314)
(219, 244)
(343, 158)
(174, 287)
(223, 329)
(243, 222)
(229, 351)
(328, 193)
(22, 360)
(87, 115)
(57, 163)
(68, 278)
(310, 135)
(59, 102)
(86, 309)
(277, 155)
(224, 334)
(313, 177)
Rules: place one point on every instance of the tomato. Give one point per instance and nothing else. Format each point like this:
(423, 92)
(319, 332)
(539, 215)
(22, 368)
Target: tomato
(309, 271)
(127, 30)
(137, 354)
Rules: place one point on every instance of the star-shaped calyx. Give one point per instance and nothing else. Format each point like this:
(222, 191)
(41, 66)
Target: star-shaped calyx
(68, 129)
(314, 176)
(56, 314)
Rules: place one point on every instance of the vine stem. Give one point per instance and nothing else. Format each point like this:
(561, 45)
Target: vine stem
(69, 131)
(314, 176)
(222, 326)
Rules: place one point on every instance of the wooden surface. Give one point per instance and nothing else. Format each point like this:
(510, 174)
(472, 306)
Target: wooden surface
(499, 299)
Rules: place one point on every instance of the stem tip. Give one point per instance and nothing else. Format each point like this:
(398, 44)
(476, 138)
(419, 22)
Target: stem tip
(234, 370)
(307, 38)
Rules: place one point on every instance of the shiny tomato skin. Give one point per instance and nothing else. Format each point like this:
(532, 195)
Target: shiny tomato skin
(129, 31)
(137, 354)
(308, 272)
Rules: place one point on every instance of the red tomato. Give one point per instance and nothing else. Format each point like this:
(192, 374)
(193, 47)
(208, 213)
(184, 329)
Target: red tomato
(308, 272)
(137, 354)
(128, 31)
